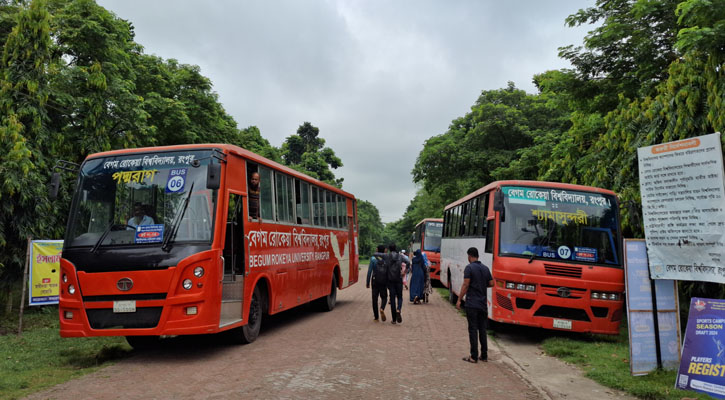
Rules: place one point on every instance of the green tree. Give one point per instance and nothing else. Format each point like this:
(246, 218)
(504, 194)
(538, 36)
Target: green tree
(306, 152)
(24, 138)
(371, 227)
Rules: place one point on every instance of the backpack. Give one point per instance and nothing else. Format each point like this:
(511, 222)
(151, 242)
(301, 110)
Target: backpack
(381, 272)
(394, 263)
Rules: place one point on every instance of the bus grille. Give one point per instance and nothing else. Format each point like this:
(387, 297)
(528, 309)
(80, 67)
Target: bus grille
(114, 297)
(105, 318)
(504, 302)
(570, 271)
(574, 314)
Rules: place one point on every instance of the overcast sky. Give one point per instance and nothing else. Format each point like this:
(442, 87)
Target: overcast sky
(377, 77)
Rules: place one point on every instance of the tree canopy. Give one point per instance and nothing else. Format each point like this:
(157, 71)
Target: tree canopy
(306, 151)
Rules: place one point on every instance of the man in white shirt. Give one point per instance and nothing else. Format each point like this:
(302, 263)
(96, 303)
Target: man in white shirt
(139, 216)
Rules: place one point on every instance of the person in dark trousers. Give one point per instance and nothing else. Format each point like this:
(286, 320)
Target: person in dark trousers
(379, 279)
(394, 262)
(476, 279)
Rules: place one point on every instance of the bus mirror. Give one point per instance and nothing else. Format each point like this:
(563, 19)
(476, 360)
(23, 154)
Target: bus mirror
(498, 204)
(54, 185)
(498, 201)
(213, 176)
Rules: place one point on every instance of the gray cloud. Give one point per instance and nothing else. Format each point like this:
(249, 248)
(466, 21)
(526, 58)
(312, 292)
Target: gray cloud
(377, 77)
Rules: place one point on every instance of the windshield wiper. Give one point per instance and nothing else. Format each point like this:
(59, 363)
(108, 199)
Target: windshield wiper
(166, 246)
(106, 232)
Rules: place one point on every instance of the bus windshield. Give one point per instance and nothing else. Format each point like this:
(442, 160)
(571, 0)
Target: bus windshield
(560, 224)
(433, 231)
(139, 199)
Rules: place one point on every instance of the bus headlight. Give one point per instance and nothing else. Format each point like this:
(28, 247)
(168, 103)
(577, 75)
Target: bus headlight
(510, 285)
(186, 284)
(595, 295)
(613, 296)
(65, 278)
(530, 288)
(71, 289)
(199, 272)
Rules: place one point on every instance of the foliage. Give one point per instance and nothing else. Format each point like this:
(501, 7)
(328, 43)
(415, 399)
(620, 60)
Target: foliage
(306, 152)
(74, 82)
(371, 227)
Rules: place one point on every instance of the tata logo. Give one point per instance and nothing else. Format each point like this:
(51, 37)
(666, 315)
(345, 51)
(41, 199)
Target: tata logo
(124, 284)
(563, 292)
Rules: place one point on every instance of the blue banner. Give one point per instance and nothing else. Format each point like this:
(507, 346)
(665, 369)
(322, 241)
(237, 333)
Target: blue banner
(702, 368)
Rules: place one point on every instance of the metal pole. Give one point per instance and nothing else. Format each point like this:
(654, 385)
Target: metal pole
(656, 323)
(25, 283)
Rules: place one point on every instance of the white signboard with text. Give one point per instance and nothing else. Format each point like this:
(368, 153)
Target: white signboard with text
(683, 203)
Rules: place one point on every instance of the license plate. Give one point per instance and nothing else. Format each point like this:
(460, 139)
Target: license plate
(124, 306)
(562, 324)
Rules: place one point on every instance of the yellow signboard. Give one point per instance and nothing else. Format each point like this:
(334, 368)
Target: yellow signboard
(44, 271)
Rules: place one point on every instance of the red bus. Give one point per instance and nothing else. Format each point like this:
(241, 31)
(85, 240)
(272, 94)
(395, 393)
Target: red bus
(160, 242)
(554, 251)
(427, 238)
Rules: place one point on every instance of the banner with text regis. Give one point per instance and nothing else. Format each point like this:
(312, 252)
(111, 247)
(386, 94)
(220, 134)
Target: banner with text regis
(44, 272)
(703, 355)
(683, 204)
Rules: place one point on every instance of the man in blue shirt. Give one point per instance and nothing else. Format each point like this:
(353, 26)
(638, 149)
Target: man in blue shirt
(476, 279)
(380, 284)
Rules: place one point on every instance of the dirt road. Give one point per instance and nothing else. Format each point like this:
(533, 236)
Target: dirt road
(342, 354)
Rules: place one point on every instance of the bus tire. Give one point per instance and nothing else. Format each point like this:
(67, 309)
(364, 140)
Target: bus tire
(328, 302)
(451, 296)
(249, 332)
(143, 342)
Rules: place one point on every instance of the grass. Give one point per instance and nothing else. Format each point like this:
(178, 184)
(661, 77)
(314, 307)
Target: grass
(605, 360)
(40, 358)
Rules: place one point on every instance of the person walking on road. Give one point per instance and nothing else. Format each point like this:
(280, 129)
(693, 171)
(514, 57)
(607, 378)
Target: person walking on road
(393, 263)
(378, 276)
(476, 279)
(417, 279)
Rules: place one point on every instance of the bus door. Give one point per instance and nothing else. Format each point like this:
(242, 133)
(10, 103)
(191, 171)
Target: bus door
(233, 254)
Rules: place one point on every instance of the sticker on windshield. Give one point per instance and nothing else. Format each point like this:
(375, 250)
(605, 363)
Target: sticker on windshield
(563, 252)
(585, 254)
(149, 233)
(176, 181)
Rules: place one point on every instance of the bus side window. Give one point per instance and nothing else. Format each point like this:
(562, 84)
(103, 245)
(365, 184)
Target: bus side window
(489, 236)
(265, 193)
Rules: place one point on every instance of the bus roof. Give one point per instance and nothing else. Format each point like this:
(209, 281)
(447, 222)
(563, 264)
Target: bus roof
(227, 149)
(424, 220)
(554, 185)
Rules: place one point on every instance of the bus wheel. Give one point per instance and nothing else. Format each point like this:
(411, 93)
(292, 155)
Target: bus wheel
(328, 302)
(143, 342)
(250, 331)
(451, 296)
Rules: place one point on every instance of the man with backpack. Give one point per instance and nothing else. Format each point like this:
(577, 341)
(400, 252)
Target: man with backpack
(394, 263)
(378, 274)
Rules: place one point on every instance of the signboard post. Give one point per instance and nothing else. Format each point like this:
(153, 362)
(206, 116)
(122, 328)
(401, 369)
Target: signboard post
(654, 342)
(703, 355)
(683, 204)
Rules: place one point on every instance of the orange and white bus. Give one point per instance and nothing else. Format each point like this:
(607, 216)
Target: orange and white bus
(160, 242)
(427, 238)
(554, 251)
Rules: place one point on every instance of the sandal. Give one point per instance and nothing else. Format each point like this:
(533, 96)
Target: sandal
(470, 360)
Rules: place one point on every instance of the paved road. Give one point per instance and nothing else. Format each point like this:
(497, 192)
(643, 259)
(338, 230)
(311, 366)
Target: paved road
(304, 354)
